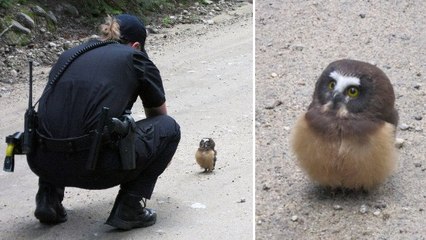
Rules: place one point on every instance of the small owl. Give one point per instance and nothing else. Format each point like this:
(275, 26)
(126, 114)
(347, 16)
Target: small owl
(206, 155)
(346, 138)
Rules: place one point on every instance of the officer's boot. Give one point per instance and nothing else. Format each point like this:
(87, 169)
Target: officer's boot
(49, 207)
(128, 212)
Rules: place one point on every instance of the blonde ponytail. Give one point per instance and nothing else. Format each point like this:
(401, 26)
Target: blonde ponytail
(110, 29)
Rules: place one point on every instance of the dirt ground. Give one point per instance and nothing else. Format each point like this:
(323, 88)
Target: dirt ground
(208, 77)
(295, 41)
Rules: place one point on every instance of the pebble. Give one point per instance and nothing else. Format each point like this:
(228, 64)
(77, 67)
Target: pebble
(52, 17)
(17, 26)
(417, 86)
(266, 187)
(386, 216)
(242, 200)
(67, 45)
(51, 44)
(362, 15)
(26, 20)
(38, 11)
(72, 10)
(404, 127)
(198, 205)
(417, 164)
(399, 142)
(298, 47)
(210, 22)
(376, 212)
(294, 218)
(14, 73)
(380, 205)
(363, 209)
(273, 103)
(274, 75)
(337, 207)
(418, 117)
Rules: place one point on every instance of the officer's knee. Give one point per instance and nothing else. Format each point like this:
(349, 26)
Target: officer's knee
(171, 128)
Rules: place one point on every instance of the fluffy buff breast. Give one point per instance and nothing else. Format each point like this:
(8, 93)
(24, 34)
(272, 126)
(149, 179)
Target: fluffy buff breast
(352, 162)
(205, 159)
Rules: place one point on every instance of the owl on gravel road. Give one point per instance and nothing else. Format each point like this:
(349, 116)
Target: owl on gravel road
(346, 138)
(206, 154)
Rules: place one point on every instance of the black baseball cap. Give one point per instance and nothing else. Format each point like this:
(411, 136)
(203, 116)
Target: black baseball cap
(132, 29)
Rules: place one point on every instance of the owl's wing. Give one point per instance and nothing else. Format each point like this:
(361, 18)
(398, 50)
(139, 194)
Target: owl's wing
(392, 117)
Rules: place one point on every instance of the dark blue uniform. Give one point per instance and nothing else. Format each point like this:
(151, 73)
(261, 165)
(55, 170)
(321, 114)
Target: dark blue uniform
(110, 76)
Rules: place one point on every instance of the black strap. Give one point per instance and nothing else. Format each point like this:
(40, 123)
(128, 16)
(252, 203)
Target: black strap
(64, 145)
(64, 67)
(69, 145)
(75, 56)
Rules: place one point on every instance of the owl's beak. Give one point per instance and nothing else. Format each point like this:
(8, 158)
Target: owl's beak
(337, 98)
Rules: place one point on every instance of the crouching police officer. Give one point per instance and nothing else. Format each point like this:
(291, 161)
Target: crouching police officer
(86, 137)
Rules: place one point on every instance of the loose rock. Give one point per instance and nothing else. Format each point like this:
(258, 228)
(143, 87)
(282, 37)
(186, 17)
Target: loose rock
(70, 9)
(272, 104)
(337, 207)
(399, 142)
(39, 11)
(26, 20)
(376, 212)
(18, 27)
(294, 218)
(363, 209)
(14, 73)
(404, 127)
(67, 45)
(298, 48)
(51, 45)
(52, 17)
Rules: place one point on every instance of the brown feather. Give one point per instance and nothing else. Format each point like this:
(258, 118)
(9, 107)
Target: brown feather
(206, 159)
(347, 161)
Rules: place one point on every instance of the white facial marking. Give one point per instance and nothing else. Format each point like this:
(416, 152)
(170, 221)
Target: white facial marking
(205, 139)
(342, 81)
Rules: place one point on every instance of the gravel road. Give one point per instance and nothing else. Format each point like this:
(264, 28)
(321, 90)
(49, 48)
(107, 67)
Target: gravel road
(295, 41)
(207, 73)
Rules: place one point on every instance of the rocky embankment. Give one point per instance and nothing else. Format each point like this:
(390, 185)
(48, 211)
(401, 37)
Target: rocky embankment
(41, 34)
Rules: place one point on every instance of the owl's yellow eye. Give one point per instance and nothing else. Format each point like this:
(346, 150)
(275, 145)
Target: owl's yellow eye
(331, 84)
(352, 92)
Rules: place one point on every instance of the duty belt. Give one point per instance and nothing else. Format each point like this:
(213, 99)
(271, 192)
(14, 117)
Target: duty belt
(123, 128)
(69, 145)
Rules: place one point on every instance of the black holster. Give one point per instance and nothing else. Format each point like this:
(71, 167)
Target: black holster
(125, 129)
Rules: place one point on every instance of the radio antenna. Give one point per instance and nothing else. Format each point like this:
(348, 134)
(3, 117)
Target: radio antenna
(30, 95)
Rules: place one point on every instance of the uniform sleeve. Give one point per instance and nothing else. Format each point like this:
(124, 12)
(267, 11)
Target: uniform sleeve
(151, 90)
